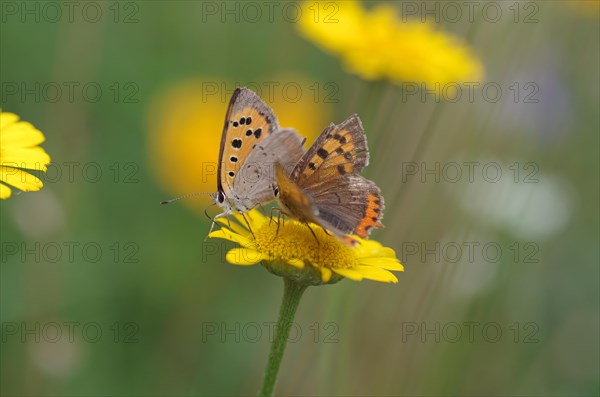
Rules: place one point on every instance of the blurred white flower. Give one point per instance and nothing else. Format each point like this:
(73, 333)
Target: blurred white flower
(531, 211)
(39, 215)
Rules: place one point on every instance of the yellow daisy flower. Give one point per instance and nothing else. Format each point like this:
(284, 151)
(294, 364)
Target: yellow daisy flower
(19, 151)
(377, 44)
(293, 252)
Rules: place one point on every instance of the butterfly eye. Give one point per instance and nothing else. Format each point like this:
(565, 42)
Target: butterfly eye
(276, 191)
(220, 197)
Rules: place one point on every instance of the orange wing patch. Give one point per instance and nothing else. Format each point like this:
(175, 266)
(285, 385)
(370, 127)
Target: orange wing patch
(245, 130)
(372, 216)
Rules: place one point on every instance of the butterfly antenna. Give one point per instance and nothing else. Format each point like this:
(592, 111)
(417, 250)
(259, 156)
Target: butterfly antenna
(186, 196)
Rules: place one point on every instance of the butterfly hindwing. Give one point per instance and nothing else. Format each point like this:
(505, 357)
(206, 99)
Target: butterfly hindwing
(254, 182)
(248, 122)
(354, 205)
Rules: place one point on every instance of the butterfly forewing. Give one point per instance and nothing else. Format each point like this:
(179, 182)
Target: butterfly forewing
(339, 150)
(248, 122)
(341, 200)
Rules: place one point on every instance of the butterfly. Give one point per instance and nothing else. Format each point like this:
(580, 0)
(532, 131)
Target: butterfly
(251, 143)
(325, 187)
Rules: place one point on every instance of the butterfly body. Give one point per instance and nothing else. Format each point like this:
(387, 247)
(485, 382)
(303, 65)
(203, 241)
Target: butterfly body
(325, 187)
(295, 201)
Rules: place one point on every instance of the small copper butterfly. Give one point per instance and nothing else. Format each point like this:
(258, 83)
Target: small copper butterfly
(325, 187)
(251, 142)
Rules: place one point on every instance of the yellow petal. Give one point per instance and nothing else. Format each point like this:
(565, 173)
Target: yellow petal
(229, 235)
(348, 273)
(299, 263)
(254, 217)
(372, 248)
(367, 245)
(21, 134)
(5, 191)
(325, 274)
(383, 252)
(7, 119)
(243, 256)
(383, 263)
(233, 225)
(377, 274)
(34, 158)
(20, 179)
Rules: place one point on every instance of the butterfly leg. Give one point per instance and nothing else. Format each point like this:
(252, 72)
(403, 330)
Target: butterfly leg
(278, 224)
(327, 232)
(271, 214)
(213, 221)
(248, 224)
(280, 221)
(312, 232)
(264, 211)
(206, 211)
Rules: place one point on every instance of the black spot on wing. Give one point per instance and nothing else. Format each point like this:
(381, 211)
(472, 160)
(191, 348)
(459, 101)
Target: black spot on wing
(323, 153)
(340, 138)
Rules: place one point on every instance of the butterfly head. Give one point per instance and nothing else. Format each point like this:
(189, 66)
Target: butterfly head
(221, 201)
(229, 204)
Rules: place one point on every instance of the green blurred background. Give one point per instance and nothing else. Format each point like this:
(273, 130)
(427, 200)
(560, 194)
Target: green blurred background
(176, 319)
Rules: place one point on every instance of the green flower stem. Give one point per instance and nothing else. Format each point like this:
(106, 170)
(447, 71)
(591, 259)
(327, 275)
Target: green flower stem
(292, 292)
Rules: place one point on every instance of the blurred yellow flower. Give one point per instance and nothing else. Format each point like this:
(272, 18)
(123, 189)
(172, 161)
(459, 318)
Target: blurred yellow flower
(589, 8)
(19, 151)
(185, 122)
(293, 252)
(376, 44)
